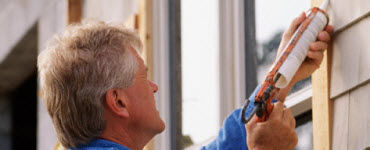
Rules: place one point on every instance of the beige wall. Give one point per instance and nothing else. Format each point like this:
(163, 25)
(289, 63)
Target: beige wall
(350, 74)
(109, 10)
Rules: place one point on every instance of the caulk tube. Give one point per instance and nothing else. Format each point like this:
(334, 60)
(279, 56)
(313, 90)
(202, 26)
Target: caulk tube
(301, 46)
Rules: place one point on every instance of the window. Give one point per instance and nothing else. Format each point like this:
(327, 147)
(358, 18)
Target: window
(200, 70)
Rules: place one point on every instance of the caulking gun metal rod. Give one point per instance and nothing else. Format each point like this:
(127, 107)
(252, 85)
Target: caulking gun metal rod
(324, 5)
(277, 77)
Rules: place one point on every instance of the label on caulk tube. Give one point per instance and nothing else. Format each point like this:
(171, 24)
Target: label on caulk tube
(299, 52)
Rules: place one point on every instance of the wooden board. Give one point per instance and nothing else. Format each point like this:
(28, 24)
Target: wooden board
(350, 64)
(321, 103)
(362, 35)
(145, 21)
(345, 63)
(340, 123)
(359, 118)
(74, 11)
(342, 12)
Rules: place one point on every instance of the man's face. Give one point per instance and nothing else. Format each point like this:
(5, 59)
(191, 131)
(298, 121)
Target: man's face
(142, 108)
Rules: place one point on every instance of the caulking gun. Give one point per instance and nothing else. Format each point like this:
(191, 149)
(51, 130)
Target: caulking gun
(288, 63)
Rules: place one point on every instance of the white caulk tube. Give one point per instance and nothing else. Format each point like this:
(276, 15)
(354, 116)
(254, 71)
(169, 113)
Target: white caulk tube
(299, 52)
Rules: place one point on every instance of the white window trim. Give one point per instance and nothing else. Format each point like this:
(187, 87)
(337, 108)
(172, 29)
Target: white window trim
(300, 101)
(232, 65)
(161, 69)
(231, 60)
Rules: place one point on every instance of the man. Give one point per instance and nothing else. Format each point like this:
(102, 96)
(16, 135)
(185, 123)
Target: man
(97, 94)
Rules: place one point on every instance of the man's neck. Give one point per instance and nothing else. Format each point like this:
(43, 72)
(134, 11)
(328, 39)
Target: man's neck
(129, 137)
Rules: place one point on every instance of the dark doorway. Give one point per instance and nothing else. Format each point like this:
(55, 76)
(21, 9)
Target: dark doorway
(24, 114)
(18, 94)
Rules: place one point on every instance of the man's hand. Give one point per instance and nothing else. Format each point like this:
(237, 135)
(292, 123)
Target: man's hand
(314, 57)
(277, 132)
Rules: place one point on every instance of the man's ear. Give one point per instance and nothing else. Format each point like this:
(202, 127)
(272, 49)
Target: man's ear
(117, 102)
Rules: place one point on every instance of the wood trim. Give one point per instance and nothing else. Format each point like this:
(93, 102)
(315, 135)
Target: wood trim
(74, 12)
(161, 69)
(145, 23)
(300, 102)
(132, 22)
(322, 106)
(232, 65)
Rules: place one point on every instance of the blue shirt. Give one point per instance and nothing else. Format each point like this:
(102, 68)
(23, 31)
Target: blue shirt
(101, 144)
(232, 136)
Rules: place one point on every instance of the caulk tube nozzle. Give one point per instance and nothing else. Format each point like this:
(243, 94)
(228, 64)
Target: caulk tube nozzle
(324, 5)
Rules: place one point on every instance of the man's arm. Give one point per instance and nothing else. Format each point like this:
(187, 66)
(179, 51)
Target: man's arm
(278, 131)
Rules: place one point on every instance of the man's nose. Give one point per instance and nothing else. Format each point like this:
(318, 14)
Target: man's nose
(154, 86)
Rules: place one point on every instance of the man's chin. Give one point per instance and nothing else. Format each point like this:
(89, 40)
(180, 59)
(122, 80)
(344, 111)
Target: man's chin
(162, 127)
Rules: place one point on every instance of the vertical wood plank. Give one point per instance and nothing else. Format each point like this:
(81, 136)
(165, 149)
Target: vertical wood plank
(145, 23)
(322, 106)
(359, 118)
(340, 123)
(74, 11)
(132, 22)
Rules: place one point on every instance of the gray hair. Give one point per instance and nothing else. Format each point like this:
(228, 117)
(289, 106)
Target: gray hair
(76, 70)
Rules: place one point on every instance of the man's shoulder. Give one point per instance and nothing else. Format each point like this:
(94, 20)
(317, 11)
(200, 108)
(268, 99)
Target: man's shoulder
(101, 144)
(96, 148)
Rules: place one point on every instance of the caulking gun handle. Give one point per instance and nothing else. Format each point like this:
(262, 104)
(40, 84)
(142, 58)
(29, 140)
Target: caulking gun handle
(268, 110)
(269, 107)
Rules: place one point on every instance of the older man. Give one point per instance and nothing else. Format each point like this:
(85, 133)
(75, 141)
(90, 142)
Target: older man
(97, 94)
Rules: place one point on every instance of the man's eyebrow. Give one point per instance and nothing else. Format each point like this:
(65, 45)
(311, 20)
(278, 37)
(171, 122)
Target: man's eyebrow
(146, 69)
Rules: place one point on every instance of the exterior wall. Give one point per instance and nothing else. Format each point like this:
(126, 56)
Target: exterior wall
(349, 76)
(109, 10)
(16, 17)
(351, 119)
(351, 50)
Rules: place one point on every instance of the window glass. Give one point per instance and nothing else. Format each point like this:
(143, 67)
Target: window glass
(200, 81)
(304, 131)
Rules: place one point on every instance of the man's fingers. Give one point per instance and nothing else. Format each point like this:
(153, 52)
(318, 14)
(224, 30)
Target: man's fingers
(318, 46)
(288, 117)
(329, 28)
(277, 112)
(324, 36)
(315, 55)
(251, 122)
(294, 25)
